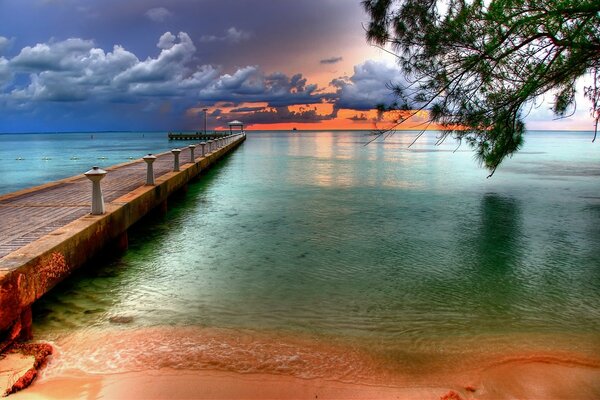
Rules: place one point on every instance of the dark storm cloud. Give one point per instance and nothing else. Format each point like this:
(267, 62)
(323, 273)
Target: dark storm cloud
(331, 60)
(77, 70)
(246, 109)
(250, 84)
(359, 117)
(277, 115)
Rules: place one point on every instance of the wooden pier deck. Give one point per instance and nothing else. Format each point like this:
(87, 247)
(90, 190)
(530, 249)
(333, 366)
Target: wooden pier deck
(28, 215)
(47, 231)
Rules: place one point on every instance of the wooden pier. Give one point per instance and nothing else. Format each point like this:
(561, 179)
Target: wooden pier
(47, 231)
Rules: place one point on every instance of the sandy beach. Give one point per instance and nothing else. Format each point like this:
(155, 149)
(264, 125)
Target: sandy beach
(523, 380)
(194, 363)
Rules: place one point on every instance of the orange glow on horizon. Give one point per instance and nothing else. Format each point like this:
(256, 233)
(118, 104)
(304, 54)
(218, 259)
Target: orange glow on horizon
(324, 117)
(356, 120)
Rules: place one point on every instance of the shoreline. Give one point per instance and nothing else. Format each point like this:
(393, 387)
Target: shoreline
(194, 363)
(523, 380)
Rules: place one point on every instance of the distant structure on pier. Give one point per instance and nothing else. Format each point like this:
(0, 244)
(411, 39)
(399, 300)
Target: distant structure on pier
(236, 123)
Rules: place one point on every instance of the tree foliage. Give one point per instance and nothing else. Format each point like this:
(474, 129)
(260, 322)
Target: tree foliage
(478, 66)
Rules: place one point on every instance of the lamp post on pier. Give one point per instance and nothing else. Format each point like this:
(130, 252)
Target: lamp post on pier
(205, 110)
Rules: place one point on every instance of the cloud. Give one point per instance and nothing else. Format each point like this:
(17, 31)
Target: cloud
(167, 67)
(166, 41)
(158, 14)
(368, 86)
(5, 73)
(250, 84)
(539, 115)
(58, 56)
(246, 109)
(331, 60)
(4, 43)
(273, 115)
(359, 117)
(232, 35)
(76, 70)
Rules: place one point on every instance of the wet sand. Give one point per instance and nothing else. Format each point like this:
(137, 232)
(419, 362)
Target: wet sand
(523, 380)
(203, 363)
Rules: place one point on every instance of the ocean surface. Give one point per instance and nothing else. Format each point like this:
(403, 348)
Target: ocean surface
(315, 255)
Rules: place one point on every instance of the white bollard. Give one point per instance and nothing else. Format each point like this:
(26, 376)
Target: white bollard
(95, 175)
(149, 171)
(203, 148)
(192, 157)
(176, 159)
(209, 143)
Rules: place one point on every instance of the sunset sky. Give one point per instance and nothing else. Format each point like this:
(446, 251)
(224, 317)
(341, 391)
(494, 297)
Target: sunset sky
(154, 65)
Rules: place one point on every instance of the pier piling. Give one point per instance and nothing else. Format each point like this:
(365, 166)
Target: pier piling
(176, 159)
(149, 159)
(95, 175)
(192, 157)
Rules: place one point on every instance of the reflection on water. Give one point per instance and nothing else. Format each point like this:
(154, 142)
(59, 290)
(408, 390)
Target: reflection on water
(413, 256)
(499, 242)
(498, 239)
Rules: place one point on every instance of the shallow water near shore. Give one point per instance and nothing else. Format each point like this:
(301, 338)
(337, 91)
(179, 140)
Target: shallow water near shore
(309, 254)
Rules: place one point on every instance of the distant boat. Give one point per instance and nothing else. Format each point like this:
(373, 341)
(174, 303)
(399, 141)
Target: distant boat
(294, 129)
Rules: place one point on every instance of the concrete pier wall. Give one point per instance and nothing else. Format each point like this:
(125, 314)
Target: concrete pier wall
(29, 273)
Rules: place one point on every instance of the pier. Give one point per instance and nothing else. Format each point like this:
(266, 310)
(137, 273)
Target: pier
(49, 231)
(196, 135)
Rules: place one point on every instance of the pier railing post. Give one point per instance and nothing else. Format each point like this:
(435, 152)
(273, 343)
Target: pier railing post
(176, 159)
(95, 175)
(150, 170)
(202, 149)
(192, 157)
(209, 143)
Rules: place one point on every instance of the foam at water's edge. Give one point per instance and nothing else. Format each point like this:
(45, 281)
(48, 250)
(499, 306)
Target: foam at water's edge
(101, 352)
(108, 352)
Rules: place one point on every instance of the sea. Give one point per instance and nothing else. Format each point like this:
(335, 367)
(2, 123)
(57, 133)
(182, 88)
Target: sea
(327, 254)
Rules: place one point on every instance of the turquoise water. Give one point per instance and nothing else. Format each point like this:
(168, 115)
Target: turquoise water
(33, 159)
(409, 254)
